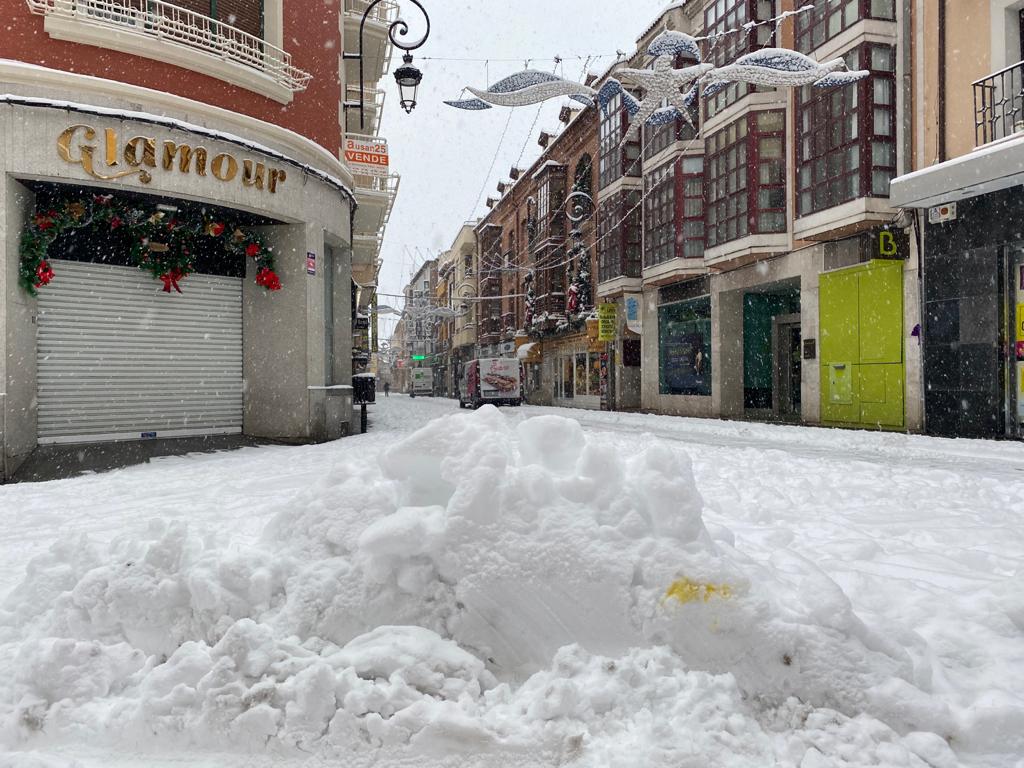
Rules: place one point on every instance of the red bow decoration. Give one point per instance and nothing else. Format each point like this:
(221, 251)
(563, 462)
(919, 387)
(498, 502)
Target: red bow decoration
(45, 221)
(115, 222)
(268, 279)
(45, 274)
(171, 280)
(215, 229)
(252, 249)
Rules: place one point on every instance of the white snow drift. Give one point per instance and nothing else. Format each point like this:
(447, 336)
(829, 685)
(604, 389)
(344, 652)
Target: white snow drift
(480, 586)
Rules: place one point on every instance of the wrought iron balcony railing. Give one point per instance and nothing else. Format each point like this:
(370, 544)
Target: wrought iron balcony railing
(157, 20)
(999, 104)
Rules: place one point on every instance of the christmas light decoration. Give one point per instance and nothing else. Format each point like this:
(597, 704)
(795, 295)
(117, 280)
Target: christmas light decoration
(780, 68)
(524, 88)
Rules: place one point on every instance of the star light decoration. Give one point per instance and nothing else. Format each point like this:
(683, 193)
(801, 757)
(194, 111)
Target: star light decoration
(524, 88)
(664, 99)
(780, 68)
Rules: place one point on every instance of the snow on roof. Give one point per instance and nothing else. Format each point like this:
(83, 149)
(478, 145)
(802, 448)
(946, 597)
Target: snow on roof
(175, 124)
(661, 15)
(545, 165)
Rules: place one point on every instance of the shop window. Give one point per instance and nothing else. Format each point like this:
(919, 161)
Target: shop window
(746, 178)
(721, 20)
(631, 355)
(616, 159)
(830, 17)
(684, 347)
(847, 136)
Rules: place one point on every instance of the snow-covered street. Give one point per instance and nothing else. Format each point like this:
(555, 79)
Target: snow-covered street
(529, 586)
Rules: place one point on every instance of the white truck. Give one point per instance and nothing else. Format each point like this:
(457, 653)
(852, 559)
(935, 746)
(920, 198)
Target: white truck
(495, 380)
(422, 381)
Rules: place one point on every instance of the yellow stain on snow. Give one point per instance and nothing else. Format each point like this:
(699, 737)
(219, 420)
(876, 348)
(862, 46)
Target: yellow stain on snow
(686, 591)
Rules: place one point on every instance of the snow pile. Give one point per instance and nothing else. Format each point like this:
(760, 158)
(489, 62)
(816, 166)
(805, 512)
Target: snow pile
(407, 597)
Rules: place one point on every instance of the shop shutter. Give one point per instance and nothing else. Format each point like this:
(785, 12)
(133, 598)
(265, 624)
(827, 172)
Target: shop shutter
(120, 359)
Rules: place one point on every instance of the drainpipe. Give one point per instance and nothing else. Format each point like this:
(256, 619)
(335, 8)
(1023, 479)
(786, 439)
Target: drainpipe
(942, 81)
(906, 46)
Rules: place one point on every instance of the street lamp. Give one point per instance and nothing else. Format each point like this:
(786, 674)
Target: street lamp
(408, 79)
(407, 76)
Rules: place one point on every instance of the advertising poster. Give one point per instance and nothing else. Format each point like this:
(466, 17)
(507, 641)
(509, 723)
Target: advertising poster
(607, 314)
(686, 370)
(604, 380)
(499, 377)
(634, 320)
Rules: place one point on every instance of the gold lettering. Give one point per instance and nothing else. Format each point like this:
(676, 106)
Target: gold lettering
(111, 154)
(185, 157)
(131, 152)
(219, 170)
(86, 155)
(276, 176)
(251, 178)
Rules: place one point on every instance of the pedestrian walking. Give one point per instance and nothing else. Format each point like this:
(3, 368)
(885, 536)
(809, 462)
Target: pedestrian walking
(387, 388)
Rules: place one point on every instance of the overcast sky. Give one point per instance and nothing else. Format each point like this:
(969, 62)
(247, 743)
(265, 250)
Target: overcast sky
(443, 154)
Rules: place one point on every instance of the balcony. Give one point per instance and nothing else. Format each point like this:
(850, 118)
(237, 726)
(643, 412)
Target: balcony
(999, 105)
(175, 35)
(376, 42)
(373, 107)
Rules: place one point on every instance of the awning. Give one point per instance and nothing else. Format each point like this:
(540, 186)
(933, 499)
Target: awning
(529, 352)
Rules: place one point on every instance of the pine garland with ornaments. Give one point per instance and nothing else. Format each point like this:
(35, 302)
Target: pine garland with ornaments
(161, 243)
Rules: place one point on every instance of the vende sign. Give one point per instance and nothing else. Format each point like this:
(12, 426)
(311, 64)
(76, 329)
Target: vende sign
(367, 158)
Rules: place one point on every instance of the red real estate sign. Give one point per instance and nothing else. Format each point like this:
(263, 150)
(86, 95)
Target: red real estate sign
(367, 158)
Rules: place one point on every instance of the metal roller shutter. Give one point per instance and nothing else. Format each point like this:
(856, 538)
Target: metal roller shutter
(120, 359)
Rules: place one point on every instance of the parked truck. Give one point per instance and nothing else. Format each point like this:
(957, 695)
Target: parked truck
(422, 381)
(495, 380)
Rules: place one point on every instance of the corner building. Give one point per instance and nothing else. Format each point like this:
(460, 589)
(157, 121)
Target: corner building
(137, 110)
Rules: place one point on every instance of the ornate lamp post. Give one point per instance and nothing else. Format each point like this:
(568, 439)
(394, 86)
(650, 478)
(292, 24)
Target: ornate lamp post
(407, 76)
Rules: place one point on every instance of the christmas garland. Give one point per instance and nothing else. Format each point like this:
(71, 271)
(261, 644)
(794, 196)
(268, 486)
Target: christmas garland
(161, 244)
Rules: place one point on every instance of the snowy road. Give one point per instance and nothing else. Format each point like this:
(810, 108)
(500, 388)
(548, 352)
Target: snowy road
(925, 538)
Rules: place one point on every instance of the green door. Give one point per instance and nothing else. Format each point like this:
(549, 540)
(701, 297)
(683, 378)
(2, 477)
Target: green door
(861, 336)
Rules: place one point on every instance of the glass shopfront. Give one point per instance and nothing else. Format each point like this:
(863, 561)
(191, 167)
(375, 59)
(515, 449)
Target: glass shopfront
(684, 347)
(578, 378)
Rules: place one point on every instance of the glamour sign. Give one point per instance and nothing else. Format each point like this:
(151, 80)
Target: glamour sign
(367, 158)
(141, 154)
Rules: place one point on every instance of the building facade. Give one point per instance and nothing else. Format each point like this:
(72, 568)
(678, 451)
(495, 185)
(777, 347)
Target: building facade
(968, 122)
(740, 245)
(222, 177)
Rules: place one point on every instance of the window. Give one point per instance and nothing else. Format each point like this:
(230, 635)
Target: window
(725, 15)
(692, 186)
(583, 176)
(746, 178)
(830, 17)
(617, 159)
(660, 215)
(246, 15)
(619, 236)
(684, 347)
(550, 211)
(847, 136)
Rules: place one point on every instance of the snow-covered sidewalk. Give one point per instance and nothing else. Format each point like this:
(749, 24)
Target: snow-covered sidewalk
(530, 586)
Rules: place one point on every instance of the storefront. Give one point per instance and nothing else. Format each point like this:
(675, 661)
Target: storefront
(972, 319)
(167, 278)
(569, 372)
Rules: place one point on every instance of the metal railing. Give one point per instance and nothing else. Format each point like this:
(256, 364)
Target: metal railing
(383, 13)
(999, 104)
(374, 101)
(157, 20)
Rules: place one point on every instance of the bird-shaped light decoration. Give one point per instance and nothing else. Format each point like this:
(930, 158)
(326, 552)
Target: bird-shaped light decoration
(780, 68)
(664, 99)
(523, 88)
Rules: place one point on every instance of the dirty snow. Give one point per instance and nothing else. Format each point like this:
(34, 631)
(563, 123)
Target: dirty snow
(523, 587)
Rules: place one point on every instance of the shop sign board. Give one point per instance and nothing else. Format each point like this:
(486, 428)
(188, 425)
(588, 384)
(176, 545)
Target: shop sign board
(110, 158)
(367, 158)
(607, 314)
(310, 263)
(942, 213)
(634, 315)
